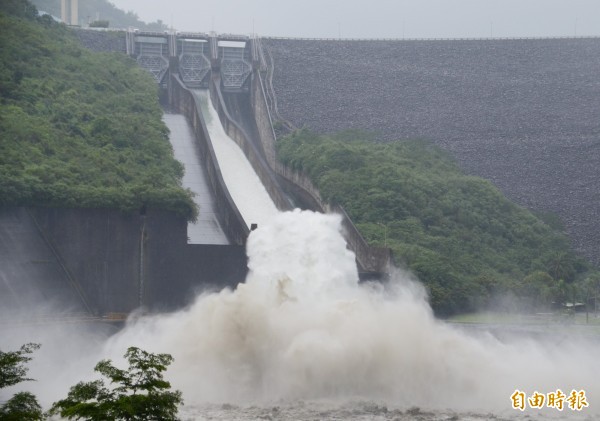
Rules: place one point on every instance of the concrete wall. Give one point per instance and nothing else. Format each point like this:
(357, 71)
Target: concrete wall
(32, 276)
(174, 271)
(100, 250)
(123, 261)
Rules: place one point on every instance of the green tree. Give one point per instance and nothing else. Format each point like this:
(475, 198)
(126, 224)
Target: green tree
(140, 393)
(12, 365)
(536, 290)
(77, 128)
(464, 239)
(23, 405)
(587, 290)
(562, 292)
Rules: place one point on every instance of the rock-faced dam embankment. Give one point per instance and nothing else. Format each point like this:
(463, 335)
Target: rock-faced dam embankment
(523, 113)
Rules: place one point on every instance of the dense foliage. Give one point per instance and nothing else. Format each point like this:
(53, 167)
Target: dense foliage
(458, 233)
(140, 392)
(12, 365)
(23, 405)
(79, 129)
(104, 10)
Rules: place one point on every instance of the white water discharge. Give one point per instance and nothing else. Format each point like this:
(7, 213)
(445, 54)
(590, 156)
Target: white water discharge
(303, 328)
(302, 339)
(246, 189)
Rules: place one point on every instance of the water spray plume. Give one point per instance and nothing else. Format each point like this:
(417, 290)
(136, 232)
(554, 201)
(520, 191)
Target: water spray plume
(302, 327)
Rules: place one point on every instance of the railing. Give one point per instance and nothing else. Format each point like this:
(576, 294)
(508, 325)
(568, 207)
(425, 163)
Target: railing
(269, 90)
(433, 39)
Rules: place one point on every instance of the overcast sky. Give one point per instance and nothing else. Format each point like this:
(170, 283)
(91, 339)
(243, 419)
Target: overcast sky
(376, 18)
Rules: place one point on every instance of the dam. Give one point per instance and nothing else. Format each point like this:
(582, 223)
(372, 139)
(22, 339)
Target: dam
(104, 264)
(300, 328)
(152, 259)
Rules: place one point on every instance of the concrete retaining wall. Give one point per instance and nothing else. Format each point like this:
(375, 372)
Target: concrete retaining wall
(123, 261)
(174, 271)
(100, 250)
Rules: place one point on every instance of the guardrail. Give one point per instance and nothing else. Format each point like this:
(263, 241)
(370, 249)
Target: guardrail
(433, 39)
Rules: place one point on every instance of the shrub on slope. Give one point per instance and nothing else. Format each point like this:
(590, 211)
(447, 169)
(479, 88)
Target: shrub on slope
(458, 233)
(79, 129)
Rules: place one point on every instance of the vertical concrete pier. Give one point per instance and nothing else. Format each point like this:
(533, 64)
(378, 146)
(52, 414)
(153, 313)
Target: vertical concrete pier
(69, 10)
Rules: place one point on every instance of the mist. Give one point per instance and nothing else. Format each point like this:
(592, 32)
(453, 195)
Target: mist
(377, 19)
(302, 328)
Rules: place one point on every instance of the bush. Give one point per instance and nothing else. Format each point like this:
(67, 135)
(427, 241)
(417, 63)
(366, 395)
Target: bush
(80, 129)
(99, 24)
(23, 406)
(140, 393)
(458, 233)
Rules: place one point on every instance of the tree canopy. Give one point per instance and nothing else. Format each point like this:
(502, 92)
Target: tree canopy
(458, 233)
(140, 392)
(77, 128)
(23, 406)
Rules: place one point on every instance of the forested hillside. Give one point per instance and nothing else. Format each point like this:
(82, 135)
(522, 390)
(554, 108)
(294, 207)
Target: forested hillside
(103, 10)
(466, 241)
(79, 129)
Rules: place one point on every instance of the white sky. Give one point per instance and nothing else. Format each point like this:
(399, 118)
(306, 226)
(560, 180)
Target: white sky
(376, 18)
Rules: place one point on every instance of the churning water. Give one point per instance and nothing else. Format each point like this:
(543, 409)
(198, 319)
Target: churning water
(301, 339)
(302, 333)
